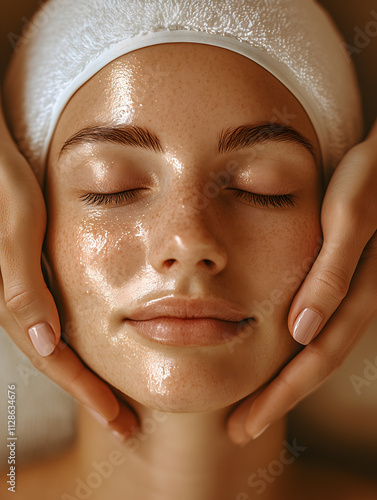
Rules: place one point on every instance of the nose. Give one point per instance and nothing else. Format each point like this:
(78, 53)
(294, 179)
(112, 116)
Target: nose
(187, 242)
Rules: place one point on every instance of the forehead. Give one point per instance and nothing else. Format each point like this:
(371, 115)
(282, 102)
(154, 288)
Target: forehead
(180, 89)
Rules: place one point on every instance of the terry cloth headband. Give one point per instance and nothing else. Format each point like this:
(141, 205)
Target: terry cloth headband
(69, 41)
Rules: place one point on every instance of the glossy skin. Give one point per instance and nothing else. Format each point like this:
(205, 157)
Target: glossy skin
(105, 259)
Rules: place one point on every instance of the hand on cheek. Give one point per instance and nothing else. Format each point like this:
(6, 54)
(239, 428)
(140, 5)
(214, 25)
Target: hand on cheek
(310, 367)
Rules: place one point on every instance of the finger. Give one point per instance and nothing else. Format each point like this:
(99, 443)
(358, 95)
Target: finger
(315, 362)
(26, 295)
(348, 221)
(298, 379)
(328, 281)
(65, 368)
(236, 423)
(125, 424)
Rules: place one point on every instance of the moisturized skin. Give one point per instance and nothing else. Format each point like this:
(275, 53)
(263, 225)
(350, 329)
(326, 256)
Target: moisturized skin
(188, 230)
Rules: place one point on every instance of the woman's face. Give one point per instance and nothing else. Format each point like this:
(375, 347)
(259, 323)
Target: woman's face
(182, 224)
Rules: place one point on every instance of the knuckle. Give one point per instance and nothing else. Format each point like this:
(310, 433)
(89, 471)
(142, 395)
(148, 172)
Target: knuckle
(335, 280)
(18, 300)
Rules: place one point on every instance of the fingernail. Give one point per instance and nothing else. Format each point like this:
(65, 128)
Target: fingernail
(102, 420)
(306, 326)
(256, 436)
(43, 338)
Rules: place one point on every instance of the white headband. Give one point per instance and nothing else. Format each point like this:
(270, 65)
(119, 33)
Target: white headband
(68, 41)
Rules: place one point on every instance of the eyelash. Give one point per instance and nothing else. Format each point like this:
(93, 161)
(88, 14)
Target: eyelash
(263, 200)
(98, 199)
(267, 200)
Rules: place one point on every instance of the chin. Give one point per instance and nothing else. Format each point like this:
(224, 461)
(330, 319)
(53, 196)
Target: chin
(201, 382)
(191, 401)
(176, 379)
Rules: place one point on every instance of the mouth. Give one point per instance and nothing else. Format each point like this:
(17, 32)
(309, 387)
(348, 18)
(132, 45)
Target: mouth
(182, 321)
(191, 332)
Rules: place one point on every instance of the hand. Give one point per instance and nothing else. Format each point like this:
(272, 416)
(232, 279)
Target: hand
(337, 298)
(26, 304)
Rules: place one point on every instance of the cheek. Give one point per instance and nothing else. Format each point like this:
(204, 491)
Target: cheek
(98, 254)
(277, 254)
(91, 259)
(276, 257)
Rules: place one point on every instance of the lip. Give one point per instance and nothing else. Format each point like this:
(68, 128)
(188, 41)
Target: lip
(183, 322)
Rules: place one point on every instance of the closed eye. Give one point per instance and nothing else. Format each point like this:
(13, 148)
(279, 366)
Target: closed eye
(123, 197)
(109, 199)
(267, 200)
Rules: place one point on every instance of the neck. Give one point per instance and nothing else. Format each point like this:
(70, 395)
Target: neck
(177, 455)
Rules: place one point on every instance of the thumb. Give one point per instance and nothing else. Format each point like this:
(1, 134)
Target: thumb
(328, 281)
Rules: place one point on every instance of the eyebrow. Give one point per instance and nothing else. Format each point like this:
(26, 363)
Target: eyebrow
(232, 139)
(246, 136)
(128, 136)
